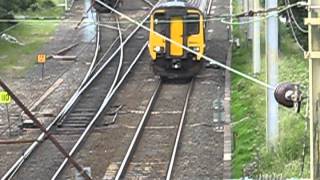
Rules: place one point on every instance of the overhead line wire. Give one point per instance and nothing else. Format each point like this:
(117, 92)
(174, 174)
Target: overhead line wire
(294, 19)
(221, 18)
(292, 30)
(190, 50)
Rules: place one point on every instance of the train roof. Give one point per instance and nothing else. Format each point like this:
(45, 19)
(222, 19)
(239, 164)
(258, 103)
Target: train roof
(197, 4)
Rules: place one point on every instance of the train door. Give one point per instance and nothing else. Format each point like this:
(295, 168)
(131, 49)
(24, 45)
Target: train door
(176, 34)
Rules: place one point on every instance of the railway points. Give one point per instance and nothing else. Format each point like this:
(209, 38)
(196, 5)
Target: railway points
(120, 76)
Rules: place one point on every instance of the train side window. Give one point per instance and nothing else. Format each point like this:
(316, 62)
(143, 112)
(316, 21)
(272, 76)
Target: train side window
(193, 24)
(160, 24)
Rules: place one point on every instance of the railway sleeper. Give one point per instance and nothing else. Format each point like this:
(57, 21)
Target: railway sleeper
(68, 131)
(77, 125)
(81, 118)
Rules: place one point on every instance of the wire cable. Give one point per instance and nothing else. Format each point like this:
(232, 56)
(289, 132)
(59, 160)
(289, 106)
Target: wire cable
(270, 14)
(294, 19)
(188, 49)
(293, 32)
(221, 18)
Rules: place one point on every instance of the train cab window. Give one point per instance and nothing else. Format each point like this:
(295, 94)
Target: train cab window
(193, 24)
(160, 23)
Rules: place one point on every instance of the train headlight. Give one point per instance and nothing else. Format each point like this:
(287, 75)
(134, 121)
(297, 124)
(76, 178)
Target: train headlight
(197, 49)
(158, 49)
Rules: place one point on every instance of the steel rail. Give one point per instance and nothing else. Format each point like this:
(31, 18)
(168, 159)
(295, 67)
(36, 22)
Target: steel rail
(85, 86)
(43, 129)
(90, 70)
(57, 173)
(213, 61)
(149, 3)
(138, 133)
(93, 67)
(120, 62)
(93, 62)
(106, 53)
(14, 168)
(179, 132)
(68, 105)
(105, 103)
(75, 96)
(95, 55)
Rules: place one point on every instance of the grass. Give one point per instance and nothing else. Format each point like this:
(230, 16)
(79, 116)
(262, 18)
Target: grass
(246, 111)
(249, 115)
(16, 59)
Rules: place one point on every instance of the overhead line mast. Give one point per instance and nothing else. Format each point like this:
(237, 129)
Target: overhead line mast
(272, 47)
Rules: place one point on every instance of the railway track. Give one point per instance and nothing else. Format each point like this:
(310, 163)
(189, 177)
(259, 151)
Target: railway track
(41, 160)
(81, 115)
(153, 149)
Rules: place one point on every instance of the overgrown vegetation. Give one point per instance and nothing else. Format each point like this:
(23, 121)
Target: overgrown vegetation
(250, 156)
(10, 8)
(15, 58)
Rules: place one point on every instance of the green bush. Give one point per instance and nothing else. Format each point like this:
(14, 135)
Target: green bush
(47, 4)
(34, 7)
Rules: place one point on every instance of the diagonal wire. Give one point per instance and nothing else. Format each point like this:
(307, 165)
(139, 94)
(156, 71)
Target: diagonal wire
(292, 30)
(221, 18)
(190, 50)
(294, 19)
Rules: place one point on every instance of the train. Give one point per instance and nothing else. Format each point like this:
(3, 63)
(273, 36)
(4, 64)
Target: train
(183, 22)
(102, 9)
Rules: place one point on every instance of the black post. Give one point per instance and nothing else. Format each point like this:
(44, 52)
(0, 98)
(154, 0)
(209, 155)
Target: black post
(8, 118)
(42, 72)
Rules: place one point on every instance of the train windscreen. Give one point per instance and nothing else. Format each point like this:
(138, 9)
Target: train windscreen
(160, 23)
(193, 24)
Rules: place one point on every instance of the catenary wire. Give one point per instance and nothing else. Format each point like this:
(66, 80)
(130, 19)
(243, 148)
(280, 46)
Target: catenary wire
(294, 19)
(190, 50)
(221, 18)
(292, 30)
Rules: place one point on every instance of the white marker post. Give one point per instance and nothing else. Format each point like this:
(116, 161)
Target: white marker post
(66, 5)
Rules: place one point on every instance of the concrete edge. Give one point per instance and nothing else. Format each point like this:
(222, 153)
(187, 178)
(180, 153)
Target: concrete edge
(227, 148)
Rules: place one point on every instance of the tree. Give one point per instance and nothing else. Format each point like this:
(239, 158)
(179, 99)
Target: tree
(8, 7)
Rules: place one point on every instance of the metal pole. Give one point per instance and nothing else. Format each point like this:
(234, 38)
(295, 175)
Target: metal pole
(314, 85)
(66, 5)
(256, 41)
(245, 6)
(42, 72)
(250, 28)
(8, 118)
(272, 74)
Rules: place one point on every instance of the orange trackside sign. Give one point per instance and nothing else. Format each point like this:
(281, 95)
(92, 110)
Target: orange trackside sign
(41, 58)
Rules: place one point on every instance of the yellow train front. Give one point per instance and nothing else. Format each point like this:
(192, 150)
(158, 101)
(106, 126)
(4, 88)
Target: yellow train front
(183, 22)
